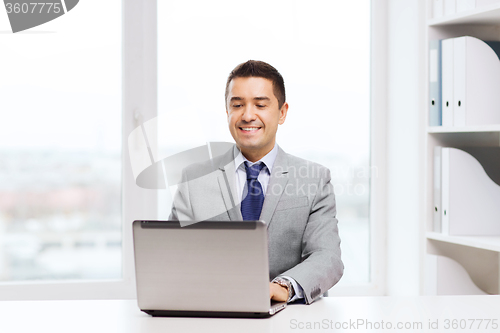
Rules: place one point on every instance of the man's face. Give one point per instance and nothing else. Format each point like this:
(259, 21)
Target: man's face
(253, 115)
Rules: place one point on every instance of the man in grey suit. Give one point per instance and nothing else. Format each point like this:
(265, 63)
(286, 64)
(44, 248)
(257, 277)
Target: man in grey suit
(256, 179)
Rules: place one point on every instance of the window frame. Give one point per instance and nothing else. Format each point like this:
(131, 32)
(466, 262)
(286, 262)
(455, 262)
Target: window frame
(139, 97)
(378, 158)
(138, 103)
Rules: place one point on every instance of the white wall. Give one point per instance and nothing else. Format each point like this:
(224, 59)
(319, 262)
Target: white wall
(406, 69)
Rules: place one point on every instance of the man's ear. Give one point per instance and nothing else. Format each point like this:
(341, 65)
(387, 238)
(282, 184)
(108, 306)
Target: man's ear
(283, 113)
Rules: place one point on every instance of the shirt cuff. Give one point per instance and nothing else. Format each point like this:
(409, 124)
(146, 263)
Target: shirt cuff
(299, 292)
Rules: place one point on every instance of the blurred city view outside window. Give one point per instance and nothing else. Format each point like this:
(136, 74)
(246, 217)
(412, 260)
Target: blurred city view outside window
(321, 48)
(60, 147)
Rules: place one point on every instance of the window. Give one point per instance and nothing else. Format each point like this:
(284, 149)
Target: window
(61, 214)
(321, 48)
(60, 147)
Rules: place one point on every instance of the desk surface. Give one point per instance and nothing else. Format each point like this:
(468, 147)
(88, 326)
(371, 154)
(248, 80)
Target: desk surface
(350, 314)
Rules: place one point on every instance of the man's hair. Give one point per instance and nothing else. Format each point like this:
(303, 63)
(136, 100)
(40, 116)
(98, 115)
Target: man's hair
(255, 68)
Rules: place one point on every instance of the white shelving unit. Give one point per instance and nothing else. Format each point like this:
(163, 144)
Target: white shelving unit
(490, 243)
(469, 129)
(479, 256)
(481, 15)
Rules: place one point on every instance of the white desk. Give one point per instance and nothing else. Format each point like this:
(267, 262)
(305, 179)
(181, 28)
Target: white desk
(124, 316)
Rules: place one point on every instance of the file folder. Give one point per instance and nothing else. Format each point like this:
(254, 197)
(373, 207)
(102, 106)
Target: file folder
(436, 225)
(460, 80)
(447, 81)
(489, 158)
(445, 190)
(465, 5)
(448, 277)
(485, 3)
(435, 116)
(437, 8)
(449, 7)
(469, 196)
(476, 78)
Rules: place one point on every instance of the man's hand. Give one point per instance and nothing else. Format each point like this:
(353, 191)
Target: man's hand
(278, 293)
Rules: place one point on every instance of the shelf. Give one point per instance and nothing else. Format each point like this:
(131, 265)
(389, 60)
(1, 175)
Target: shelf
(483, 15)
(467, 129)
(478, 255)
(491, 243)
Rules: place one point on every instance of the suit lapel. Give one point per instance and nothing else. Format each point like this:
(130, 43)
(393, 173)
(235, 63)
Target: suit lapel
(227, 184)
(277, 184)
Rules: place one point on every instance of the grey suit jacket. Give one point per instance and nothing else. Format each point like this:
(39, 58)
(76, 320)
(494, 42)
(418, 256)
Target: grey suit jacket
(299, 209)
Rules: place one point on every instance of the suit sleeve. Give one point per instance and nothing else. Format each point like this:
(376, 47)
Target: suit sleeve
(181, 205)
(321, 266)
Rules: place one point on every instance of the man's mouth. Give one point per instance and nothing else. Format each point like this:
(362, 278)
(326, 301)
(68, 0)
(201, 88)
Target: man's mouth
(249, 129)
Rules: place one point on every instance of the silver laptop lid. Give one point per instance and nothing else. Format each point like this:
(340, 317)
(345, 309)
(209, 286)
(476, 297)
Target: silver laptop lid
(206, 266)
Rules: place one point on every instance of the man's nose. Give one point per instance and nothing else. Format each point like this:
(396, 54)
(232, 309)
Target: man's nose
(248, 114)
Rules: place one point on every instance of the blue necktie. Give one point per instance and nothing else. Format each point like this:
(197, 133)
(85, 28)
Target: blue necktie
(251, 206)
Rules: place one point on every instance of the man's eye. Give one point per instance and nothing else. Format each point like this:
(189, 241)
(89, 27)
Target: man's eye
(236, 105)
(261, 106)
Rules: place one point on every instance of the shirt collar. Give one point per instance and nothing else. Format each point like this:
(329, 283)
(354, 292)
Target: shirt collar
(268, 160)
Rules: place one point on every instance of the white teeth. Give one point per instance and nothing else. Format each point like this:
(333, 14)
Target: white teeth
(249, 128)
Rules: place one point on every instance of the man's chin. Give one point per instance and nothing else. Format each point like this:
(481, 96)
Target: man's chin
(247, 147)
(252, 148)
(248, 143)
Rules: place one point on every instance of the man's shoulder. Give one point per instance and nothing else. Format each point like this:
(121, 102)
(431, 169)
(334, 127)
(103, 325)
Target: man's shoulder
(305, 167)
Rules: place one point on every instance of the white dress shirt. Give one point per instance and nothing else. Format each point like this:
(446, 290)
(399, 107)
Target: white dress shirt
(263, 178)
(264, 175)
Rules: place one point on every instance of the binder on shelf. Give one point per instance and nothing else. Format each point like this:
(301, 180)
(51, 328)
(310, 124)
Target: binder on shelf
(442, 8)
(459, 81)
(435, 116)
(449, 7)
(470, 196)
(445, 190)
(471, 81)
(446, 276)
(436, 225)
(489, 158)
(437, 8)
(465, 5)
(484, 3)
(447, 82)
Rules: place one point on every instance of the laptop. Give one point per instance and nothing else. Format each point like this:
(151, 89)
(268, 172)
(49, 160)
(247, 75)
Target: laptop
(206, 269)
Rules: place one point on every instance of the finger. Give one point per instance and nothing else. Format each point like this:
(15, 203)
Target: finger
(278, 293)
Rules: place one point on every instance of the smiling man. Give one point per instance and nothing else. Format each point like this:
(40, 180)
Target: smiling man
(257, 180)
(254, 113)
